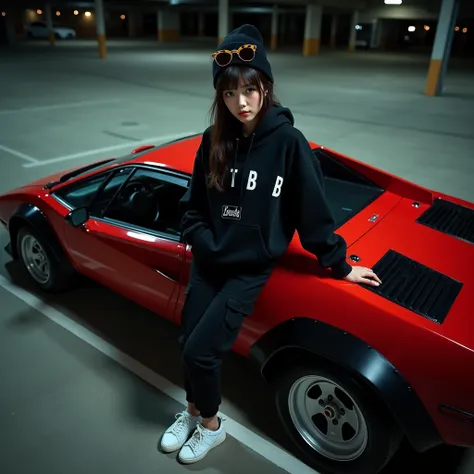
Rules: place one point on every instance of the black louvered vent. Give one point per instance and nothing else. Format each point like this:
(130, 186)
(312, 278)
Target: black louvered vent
(415, 286)
(450, 218)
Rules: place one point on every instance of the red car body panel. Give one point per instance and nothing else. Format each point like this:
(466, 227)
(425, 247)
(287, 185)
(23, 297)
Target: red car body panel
(436, 360)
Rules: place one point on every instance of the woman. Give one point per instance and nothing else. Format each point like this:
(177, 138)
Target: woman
(255, 182)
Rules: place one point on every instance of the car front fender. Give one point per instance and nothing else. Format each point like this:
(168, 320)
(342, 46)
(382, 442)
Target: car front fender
(298, 338)
(32, 216)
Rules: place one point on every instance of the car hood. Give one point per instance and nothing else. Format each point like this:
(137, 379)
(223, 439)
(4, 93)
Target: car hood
(424, 268)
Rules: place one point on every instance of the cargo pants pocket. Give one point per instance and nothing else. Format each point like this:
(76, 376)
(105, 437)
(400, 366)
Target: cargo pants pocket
(235, 313)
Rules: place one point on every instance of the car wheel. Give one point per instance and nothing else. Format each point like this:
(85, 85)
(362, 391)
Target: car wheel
(40, 263)
(335, 421)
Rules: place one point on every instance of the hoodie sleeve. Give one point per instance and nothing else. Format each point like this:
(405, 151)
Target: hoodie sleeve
(193, 204)
(314, 220)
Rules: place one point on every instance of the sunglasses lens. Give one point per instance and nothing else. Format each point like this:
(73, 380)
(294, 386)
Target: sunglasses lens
(222, 59)
(247, 54)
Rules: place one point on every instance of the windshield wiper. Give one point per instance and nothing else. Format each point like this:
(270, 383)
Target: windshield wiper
(72, 174)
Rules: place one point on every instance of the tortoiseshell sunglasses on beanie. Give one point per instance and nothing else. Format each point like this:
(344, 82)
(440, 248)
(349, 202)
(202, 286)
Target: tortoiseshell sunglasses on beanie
(244, 45)
(246, 53)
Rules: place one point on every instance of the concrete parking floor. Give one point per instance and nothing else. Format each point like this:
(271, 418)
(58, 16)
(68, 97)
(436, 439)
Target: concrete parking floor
(67, 401)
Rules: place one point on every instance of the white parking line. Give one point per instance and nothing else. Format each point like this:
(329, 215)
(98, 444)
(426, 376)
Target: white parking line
(21, 155)
(66, 105)
(96, 151)
(264, 448)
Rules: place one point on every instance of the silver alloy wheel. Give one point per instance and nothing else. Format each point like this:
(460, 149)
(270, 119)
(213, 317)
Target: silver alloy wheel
(327, 418)
(35, 258)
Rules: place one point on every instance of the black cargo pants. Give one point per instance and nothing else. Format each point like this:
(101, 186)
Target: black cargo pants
(215, 308)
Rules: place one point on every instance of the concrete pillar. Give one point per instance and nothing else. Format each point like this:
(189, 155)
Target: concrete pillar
(100, 27)
(374, 35)
(49, 23)
(132, 23)
(274, 35)
(353, 32)
(283, 26)
(223, 20)
(158, 23)
(312, 30)
(332, 40)
(383, 34)
(201, 24)
(442, 47)
(169, 28)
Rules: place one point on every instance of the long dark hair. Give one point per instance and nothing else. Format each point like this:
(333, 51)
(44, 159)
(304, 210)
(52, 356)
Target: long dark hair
(225, 125)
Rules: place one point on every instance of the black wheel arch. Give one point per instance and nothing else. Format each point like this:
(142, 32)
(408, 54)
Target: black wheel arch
(305, 338)
(30, 215)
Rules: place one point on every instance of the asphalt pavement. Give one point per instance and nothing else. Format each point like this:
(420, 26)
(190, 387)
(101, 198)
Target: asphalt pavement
(89, 379)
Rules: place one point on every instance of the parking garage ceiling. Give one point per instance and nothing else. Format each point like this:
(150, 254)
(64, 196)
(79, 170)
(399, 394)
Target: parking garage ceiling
(466, 6)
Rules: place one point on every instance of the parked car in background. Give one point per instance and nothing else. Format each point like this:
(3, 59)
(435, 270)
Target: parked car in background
(39, 29)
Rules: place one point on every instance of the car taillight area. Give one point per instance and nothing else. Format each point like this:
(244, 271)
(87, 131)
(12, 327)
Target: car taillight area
(455, 409)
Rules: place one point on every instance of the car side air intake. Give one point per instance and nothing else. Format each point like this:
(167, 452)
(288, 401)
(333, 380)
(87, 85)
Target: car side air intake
(450, 218)
(415, 286)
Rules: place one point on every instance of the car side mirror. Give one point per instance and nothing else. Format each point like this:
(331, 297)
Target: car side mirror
(78, 217)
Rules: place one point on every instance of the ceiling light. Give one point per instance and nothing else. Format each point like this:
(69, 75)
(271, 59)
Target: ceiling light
(392, 2)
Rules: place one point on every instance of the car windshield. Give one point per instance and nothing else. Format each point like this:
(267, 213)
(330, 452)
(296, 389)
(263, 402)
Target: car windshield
(98, 165)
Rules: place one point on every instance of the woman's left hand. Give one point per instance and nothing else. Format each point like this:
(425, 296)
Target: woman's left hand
(363, 275)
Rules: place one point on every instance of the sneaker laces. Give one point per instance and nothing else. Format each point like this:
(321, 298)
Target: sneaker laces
(180, 425)
(196, 438)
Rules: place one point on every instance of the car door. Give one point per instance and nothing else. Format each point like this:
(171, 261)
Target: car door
(131, 243)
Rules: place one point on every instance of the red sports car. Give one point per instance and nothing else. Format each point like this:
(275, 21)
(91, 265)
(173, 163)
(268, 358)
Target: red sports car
(355, 369)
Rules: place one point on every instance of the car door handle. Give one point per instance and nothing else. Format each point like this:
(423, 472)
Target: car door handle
(164, 275)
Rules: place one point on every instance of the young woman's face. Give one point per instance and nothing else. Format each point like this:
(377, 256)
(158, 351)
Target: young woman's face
(244, 103)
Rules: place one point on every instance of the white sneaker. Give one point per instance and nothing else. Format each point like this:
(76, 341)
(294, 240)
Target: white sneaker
(200, 443)
(177, 434)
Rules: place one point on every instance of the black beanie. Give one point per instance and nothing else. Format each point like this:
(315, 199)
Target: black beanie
(245, 34)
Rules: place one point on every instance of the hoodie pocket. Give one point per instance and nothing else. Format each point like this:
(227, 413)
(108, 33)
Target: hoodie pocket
(243, 243)
(203, 244)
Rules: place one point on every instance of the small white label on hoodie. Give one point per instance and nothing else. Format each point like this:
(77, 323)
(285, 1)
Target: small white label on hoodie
(231, 212)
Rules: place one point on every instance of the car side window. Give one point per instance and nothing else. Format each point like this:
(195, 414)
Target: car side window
(83, 192)
(106, 194)
(149, 200)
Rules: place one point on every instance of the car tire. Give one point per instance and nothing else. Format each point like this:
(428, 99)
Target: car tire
(338, 400)
(40, 263)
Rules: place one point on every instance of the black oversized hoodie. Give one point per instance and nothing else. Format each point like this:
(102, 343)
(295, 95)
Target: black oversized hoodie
(273, 187)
